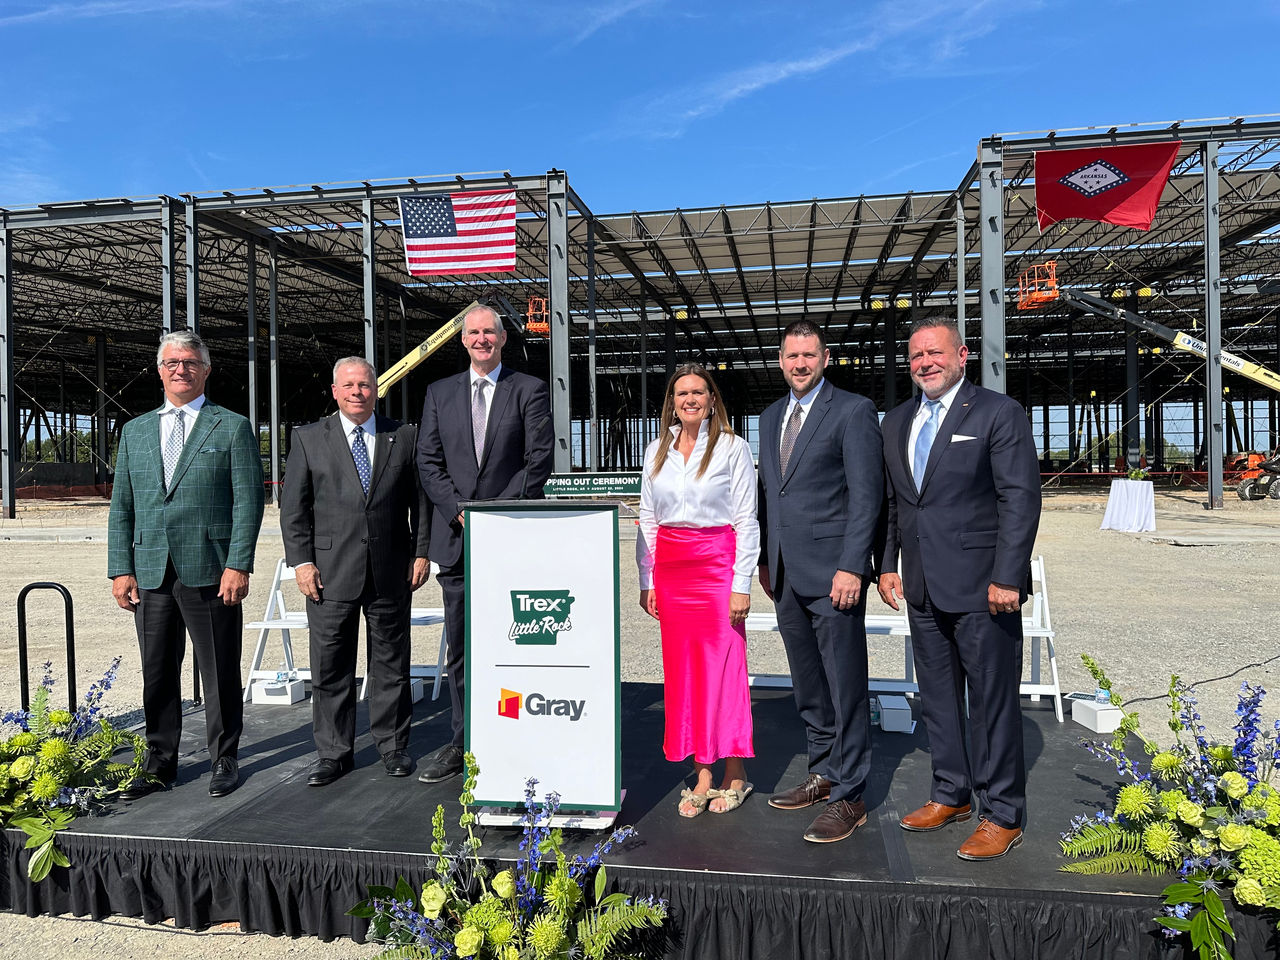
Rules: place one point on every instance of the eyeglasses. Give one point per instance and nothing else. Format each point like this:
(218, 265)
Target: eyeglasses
(173, 365)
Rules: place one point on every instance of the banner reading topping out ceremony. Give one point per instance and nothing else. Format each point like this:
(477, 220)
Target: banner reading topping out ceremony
(1120, 185)
(542, 682)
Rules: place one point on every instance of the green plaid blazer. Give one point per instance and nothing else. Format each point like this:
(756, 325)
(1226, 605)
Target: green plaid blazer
(209, 518)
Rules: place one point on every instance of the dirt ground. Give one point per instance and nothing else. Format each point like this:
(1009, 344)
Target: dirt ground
(1145, 605)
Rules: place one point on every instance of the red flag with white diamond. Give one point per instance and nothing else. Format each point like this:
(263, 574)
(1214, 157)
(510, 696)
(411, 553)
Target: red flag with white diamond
(1120, 185)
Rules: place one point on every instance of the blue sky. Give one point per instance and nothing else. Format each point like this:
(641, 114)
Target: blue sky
(648, 104)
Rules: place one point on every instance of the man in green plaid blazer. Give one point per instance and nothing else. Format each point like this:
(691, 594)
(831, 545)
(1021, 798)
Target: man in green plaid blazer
(185, 512)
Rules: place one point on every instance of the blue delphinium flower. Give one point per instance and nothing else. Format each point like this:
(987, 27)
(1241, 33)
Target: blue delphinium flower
(1248, 731)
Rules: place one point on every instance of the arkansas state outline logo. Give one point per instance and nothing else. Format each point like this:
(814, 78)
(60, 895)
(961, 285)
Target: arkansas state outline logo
(538, 616)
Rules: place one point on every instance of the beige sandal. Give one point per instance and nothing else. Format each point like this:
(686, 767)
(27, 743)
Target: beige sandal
(696, 800)
(731, 797)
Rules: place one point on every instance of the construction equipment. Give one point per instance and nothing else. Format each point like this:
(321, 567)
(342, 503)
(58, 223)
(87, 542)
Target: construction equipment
(423, 350)
(1259, 476)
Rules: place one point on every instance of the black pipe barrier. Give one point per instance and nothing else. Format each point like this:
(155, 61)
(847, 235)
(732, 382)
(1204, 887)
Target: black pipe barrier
(22, 642)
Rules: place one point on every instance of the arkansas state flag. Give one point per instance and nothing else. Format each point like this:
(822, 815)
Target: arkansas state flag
(1120, 185)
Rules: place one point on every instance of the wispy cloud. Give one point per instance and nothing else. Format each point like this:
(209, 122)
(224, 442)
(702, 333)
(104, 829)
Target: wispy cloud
(597, 18)
(928, 23)
(55, 12)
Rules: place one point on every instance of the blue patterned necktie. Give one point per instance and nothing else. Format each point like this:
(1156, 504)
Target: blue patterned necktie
(173, 447)
(361, 454)
(924, 441)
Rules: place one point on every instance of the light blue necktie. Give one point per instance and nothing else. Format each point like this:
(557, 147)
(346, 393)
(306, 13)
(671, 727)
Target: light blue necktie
(924, 441)
(361, 454)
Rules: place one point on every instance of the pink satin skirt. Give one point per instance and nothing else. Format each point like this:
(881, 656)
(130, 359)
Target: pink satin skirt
(704, 659)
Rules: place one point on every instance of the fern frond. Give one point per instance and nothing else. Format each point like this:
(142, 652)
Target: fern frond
(600, 933)
(1098, 838)
(1120, 862)
(403, 953)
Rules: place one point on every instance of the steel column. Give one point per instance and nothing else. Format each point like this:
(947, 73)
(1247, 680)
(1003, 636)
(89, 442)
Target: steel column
(251, 329)
(273, 366)
(8, 420)
(644, 374)
(192, 236)
(1131, 432)
(404, 383)
(1212, 326)
(960, 278)
(168, 274)
(100, 414)
(558, 290)
(594, 461)
(370, 280)
(991, 299)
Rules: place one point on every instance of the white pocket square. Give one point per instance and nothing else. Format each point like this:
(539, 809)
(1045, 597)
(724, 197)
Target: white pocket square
(957, 437)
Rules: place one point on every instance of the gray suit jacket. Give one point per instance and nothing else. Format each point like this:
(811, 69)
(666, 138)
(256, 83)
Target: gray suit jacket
(821, 515)
(326, 519)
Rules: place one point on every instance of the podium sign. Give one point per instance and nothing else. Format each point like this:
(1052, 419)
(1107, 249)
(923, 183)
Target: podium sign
(543, 683)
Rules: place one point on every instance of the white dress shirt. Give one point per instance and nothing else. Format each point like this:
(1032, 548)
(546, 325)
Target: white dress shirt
(168, 421)
(805, 404)
(370, 434)
(922, 414)
(492, 377)
(723, 496)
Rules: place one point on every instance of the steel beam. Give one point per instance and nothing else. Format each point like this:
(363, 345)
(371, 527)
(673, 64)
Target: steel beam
(350, 193)
(961, 283)
(192, 236)
(168, 274)
(8, 418)
(251, 331)
(594, 461)
(369, 257)
(991, 227)
(1210, 133)
(1212, 327)
(273, 365)
(558, 305)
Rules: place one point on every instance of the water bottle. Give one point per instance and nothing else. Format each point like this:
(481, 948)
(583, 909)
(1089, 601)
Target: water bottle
(875, 711)
(1102, 696)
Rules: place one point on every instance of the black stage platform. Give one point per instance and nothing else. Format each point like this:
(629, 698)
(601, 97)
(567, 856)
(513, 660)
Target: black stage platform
(280, 857)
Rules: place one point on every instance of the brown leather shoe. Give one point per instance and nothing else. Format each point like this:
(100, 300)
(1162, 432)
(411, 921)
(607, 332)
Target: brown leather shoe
(989, 841)
(836, 822)
(813, 790)
(934, 816)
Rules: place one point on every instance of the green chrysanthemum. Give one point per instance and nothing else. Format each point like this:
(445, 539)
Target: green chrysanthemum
(1169, 800)
(563, 892)
(1135, 801)
(59, 719)
(1260, 859)
(22, 741)
(1192, 814)
(1166, 764)
(1220, 754)
(45, 787)
(1233, 785)
(1248, 892)
(55, 751)
(545, 936)
(1233, 837)
(1160, 840)
(500, 934)
(510, 952)
(468, 941)
(22, 769)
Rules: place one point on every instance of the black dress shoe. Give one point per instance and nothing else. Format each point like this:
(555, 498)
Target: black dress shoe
(327, 771)
(398, 764)
(143, 787)
(226, 777)
(813, 790)
(836, 822)
(441, 765)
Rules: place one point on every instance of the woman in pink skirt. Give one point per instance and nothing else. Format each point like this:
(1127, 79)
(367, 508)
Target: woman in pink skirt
(697, 548)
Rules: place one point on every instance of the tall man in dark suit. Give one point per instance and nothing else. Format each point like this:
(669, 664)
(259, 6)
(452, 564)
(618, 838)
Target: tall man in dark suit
(354, 522)
(185, 511)
(963, 508)
(485, 435)
(820, 493)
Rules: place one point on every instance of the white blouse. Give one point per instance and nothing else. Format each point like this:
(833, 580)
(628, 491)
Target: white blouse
(725, 495)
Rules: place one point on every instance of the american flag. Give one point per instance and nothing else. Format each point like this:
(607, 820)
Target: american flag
(459, 232)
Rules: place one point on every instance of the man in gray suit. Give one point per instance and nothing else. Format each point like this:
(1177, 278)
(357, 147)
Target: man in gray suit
(820, 491)
(354, 523)
(485, 435)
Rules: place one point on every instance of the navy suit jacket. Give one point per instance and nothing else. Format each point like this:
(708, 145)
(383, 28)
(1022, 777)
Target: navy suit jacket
(821, 515)
(974, 520)
(326, 519)
(517, 451)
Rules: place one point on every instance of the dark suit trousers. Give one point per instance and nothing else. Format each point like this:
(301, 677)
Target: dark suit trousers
(215, 629)
(334, 643)
(827, 652)
(986, 652)
(453, 587)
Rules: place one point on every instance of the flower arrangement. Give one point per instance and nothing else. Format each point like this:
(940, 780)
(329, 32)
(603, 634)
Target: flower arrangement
(1139, 473)
(548, 908)
(1209, 811)
(56, 764)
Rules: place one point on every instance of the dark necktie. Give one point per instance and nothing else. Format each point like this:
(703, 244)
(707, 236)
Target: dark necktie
(924, 440)
(361, 455)
(789, 434)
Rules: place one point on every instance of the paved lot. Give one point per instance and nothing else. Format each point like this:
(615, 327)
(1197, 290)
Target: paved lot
(1197, 598)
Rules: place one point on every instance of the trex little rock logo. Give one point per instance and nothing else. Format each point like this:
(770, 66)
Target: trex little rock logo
(537, 705)
(538, 616)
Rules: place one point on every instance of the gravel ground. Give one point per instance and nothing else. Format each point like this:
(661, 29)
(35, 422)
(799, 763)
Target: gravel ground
(1144, 605)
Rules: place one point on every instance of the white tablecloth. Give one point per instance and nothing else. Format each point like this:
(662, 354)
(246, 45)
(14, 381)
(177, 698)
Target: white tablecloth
(1131, 506)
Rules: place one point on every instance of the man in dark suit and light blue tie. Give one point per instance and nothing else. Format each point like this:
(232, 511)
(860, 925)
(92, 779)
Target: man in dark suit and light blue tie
(354, 523)
(485, 435)
(821, 479)
(963, 507)
(186, 506)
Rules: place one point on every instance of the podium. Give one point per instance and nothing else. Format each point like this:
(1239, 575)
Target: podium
(542, 651)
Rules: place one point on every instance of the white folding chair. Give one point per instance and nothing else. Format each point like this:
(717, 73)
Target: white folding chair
(1039, 626)
(277, 617)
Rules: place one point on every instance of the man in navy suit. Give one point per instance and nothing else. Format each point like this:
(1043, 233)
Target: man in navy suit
(353, 518)
(963, 507)
(821, 477)
(485, 435)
